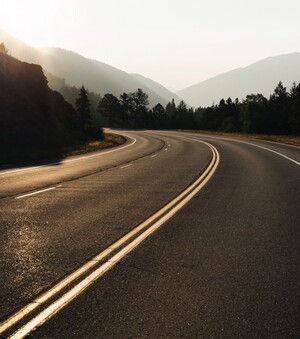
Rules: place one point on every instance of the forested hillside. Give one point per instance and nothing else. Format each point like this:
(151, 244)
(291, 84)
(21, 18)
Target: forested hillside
(35, 121)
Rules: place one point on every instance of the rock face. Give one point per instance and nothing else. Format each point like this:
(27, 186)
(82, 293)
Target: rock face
(34, 120)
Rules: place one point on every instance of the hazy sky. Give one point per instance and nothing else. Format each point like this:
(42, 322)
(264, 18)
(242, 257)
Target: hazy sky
(175, 42)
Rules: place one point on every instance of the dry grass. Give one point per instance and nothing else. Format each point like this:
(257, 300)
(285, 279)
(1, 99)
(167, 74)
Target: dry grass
(110, 140)
(285, 139)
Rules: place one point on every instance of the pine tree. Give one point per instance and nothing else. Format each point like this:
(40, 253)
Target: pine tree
(294, 112)
(3, 48)
(140, 100)
(83, 108)
(279, 106)
(110, 107)
(127, 105)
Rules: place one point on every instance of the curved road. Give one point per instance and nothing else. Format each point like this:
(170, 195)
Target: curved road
(226, 265)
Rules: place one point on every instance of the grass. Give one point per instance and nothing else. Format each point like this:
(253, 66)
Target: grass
(110, 140)
(285, 139)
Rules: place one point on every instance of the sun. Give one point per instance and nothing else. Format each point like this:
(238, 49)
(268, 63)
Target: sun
(31, 21)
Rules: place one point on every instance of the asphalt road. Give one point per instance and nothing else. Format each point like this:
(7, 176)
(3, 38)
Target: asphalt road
(225, 266)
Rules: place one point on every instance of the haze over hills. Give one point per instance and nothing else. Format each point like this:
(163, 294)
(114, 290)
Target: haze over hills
(260, 77)
(157, 88)
(77, 70)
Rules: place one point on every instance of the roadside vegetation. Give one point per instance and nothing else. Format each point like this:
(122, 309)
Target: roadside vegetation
(109, 140)
(278, 115)
(37, 122)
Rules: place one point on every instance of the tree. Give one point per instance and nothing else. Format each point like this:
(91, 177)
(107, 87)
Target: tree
(159, 116)
(140, 101)
(3, 48)
(255, 114)
(110, 107)
(171, 108)
(171, 112)
(294, 112)
(279, 107)
(83, 109)
(280, 92)
(127, 105)
(71, 93)
(181, 115)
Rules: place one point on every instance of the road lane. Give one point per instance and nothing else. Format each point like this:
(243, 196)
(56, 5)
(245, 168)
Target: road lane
(226, 266)
(48, 235)
(29, 178)
(47, 308)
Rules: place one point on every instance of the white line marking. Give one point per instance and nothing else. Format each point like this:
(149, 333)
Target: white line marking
(245, 142)
(126, 166)
(70, 160)
(171, 208)
(267, 149)
(154, 155)
(37, 192)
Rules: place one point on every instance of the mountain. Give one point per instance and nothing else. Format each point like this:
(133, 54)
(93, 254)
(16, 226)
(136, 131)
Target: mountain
(54, 82)
(157, 88)
(77, 70)
(35, 121)
(260, 77)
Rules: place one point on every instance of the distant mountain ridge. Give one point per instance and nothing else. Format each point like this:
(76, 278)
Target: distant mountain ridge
(77, 70)
(158, 88)
(61, 65)
(260, 77)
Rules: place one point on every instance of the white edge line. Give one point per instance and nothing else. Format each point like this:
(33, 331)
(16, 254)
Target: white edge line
(37, 192)
(247, 143)
(153, 156)
(267, 149)
(126, 166)
(51, 310)
(71, 160)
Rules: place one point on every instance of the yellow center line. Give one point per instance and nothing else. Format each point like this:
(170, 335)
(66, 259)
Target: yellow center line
(159, 218)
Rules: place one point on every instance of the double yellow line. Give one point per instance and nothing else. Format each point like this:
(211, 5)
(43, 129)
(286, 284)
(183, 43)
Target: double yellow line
(118, 250)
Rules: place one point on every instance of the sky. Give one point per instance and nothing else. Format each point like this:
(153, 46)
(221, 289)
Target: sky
(175, 42)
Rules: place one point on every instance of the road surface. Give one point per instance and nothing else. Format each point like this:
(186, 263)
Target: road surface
(225, 265)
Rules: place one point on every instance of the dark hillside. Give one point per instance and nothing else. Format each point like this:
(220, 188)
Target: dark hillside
(35, 121)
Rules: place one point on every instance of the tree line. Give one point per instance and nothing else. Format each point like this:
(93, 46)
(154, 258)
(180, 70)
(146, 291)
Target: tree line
(280, 114)
(131, 110)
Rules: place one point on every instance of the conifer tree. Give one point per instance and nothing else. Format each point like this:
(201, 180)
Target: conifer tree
(3, 48)
(110, 107)
(83, 108)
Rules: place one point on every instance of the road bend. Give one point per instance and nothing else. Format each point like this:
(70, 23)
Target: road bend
(49, 232)
(225, 265)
